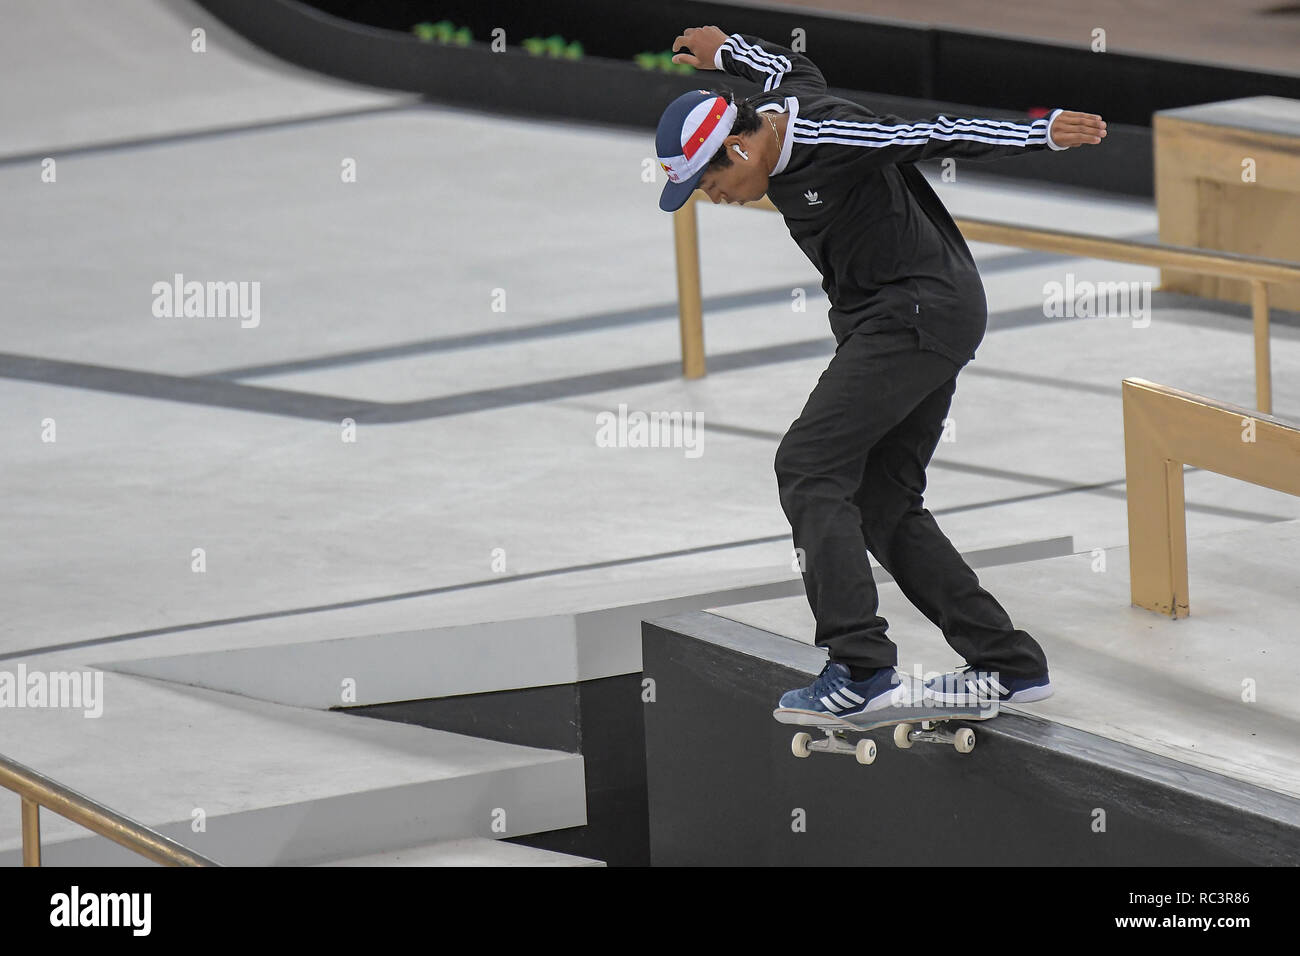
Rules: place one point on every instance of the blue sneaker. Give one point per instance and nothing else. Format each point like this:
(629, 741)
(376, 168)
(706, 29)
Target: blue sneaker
(970, 687)
(835, 694)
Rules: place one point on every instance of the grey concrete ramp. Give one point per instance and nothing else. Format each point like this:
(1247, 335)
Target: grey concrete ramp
(100, 73)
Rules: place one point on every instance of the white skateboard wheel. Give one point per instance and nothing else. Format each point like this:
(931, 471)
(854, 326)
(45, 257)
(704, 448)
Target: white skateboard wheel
(866, 751)
(902, 736)
(965, 741)
(799, 746)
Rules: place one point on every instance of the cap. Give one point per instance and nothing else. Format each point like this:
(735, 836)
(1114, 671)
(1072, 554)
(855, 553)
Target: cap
(691, 131)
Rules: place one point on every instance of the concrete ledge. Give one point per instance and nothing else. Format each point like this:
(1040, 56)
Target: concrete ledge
(724, 788)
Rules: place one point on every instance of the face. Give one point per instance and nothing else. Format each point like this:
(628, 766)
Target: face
(741, 182)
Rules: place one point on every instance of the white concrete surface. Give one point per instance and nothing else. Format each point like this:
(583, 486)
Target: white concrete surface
(94, 74)
(291, 517)
(379, 295)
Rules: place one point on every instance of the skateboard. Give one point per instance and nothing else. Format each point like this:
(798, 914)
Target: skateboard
(912, 724)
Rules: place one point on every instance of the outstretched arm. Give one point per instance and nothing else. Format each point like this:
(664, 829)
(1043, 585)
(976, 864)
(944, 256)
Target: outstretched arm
(741, 54)
(854, 136)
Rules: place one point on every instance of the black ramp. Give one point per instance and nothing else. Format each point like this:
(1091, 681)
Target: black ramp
(725, 789)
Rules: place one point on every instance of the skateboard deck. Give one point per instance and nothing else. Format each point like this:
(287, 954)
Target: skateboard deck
(914, 723)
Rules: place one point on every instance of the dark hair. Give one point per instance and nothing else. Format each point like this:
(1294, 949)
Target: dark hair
(747, 121)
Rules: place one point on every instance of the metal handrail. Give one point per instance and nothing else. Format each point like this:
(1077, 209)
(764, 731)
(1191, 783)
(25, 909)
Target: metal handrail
(1164, 429)
(37, 790)
(1257, 270)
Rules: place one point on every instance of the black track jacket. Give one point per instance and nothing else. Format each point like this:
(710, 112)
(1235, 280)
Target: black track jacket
(887, 250)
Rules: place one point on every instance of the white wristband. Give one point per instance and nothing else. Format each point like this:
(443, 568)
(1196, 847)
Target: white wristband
(1051, 142)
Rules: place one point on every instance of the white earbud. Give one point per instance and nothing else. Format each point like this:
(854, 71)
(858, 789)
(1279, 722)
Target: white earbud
(737, 148)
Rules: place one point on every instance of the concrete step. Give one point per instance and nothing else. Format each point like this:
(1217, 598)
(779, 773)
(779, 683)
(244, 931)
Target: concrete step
(470, 852)
(276, 785)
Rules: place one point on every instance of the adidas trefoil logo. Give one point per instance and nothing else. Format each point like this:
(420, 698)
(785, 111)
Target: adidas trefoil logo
(812, 198)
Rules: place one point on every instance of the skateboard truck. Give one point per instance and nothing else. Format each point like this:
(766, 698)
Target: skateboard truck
(932, 732)
(835, 743)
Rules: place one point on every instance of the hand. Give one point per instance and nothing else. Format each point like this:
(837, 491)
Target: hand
(1077, 129)
(703, 43)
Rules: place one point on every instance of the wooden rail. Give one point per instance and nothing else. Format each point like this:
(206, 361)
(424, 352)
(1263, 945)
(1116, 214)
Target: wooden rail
(1165, 429)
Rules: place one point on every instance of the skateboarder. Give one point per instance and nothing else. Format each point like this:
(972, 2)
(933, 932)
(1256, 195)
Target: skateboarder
(907, 310)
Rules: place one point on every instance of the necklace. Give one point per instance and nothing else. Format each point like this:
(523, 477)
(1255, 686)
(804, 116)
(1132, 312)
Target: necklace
(777, 134)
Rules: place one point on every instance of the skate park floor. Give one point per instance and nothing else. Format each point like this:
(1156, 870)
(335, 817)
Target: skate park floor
(474, 301)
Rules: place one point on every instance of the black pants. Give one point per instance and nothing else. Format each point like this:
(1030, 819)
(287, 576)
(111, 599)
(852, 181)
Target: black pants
(851, 474)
